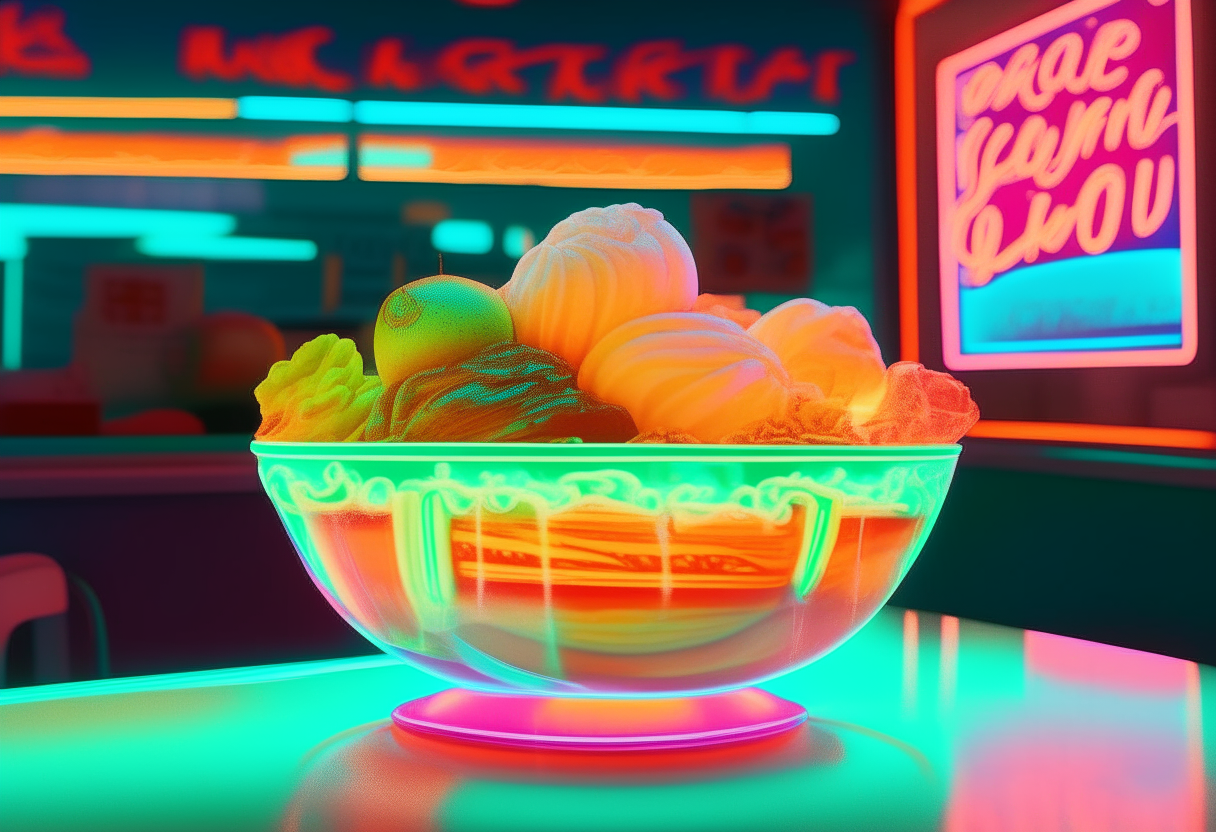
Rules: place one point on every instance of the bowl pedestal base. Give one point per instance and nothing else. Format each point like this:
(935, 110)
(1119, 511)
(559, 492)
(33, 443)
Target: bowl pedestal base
(584, 724)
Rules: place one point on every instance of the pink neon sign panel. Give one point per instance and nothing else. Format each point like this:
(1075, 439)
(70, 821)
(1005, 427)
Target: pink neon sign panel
(1066, 191)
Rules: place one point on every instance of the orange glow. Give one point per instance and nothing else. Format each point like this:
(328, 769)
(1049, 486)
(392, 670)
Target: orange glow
(948, 671)
(1105, 666)
(52, 152)
(571, 164)
(911, 680)
(1098, 434)
(905, 172)
(39, 106)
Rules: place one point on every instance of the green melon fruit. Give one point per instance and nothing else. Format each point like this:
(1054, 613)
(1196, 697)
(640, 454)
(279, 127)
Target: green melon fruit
(437, 321)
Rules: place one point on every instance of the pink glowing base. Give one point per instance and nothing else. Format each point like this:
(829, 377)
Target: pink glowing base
(600, 724)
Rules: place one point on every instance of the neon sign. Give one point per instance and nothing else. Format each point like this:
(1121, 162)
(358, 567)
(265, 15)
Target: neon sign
(289, 59)
(1066, 191)
(586, 73)
(34, 43)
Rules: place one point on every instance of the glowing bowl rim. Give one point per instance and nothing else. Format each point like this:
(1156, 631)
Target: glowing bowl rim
(597, 452)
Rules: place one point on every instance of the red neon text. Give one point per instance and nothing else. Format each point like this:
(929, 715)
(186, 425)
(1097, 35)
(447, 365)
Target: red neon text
(645, 71)
(289, 59)
(35, 44)
(388, 67)
(652, 70)
(658, 70)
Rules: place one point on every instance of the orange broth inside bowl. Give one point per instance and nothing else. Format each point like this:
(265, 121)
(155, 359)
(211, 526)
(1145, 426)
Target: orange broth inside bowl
(596, 557)
(624, 599)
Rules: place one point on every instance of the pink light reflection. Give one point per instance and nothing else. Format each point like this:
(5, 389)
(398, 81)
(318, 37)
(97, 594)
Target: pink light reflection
(1088, 663)
(1061, 778)
(948, 672)
(1109, 739)
(911, 633)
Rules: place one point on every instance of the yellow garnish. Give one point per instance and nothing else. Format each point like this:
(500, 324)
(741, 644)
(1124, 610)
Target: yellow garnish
(319, 395)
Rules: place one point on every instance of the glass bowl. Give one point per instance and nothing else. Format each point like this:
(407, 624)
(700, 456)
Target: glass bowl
(606, 574)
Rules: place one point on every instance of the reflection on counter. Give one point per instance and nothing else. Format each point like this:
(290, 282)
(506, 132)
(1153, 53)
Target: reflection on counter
(918, 722)
(812, 777)
(1103, 738)
(1051, 734)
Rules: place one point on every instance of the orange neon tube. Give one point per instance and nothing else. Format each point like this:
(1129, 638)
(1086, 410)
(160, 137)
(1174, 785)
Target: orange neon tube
(45, 151)
(571, 164)
(905, 173)
(42, 106)
(1095, 434)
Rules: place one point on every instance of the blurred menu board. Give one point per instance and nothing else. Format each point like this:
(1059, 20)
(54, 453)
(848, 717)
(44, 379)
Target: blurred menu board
(748, 243)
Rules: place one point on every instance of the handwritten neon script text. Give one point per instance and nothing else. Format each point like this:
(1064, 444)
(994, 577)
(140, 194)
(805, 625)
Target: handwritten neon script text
(991, 156)
(486, 66)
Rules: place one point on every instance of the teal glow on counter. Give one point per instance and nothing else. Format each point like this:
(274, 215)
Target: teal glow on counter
(919, 723)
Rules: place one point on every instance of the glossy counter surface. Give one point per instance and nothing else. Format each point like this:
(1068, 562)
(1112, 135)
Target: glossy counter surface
(918, 722)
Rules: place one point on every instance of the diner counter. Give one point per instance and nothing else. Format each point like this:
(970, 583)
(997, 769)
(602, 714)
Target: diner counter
(920, 722)
(116, 466)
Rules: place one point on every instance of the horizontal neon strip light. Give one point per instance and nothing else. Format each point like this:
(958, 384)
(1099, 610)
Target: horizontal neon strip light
(87, 221)
(1131, 458)
(286, 108)
(430, 114)
(555, 117)
(1096, 434)
(39, 106)
(11, 335)
(227, 248)
(462, 236)
(571, 164)
(51, 152)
